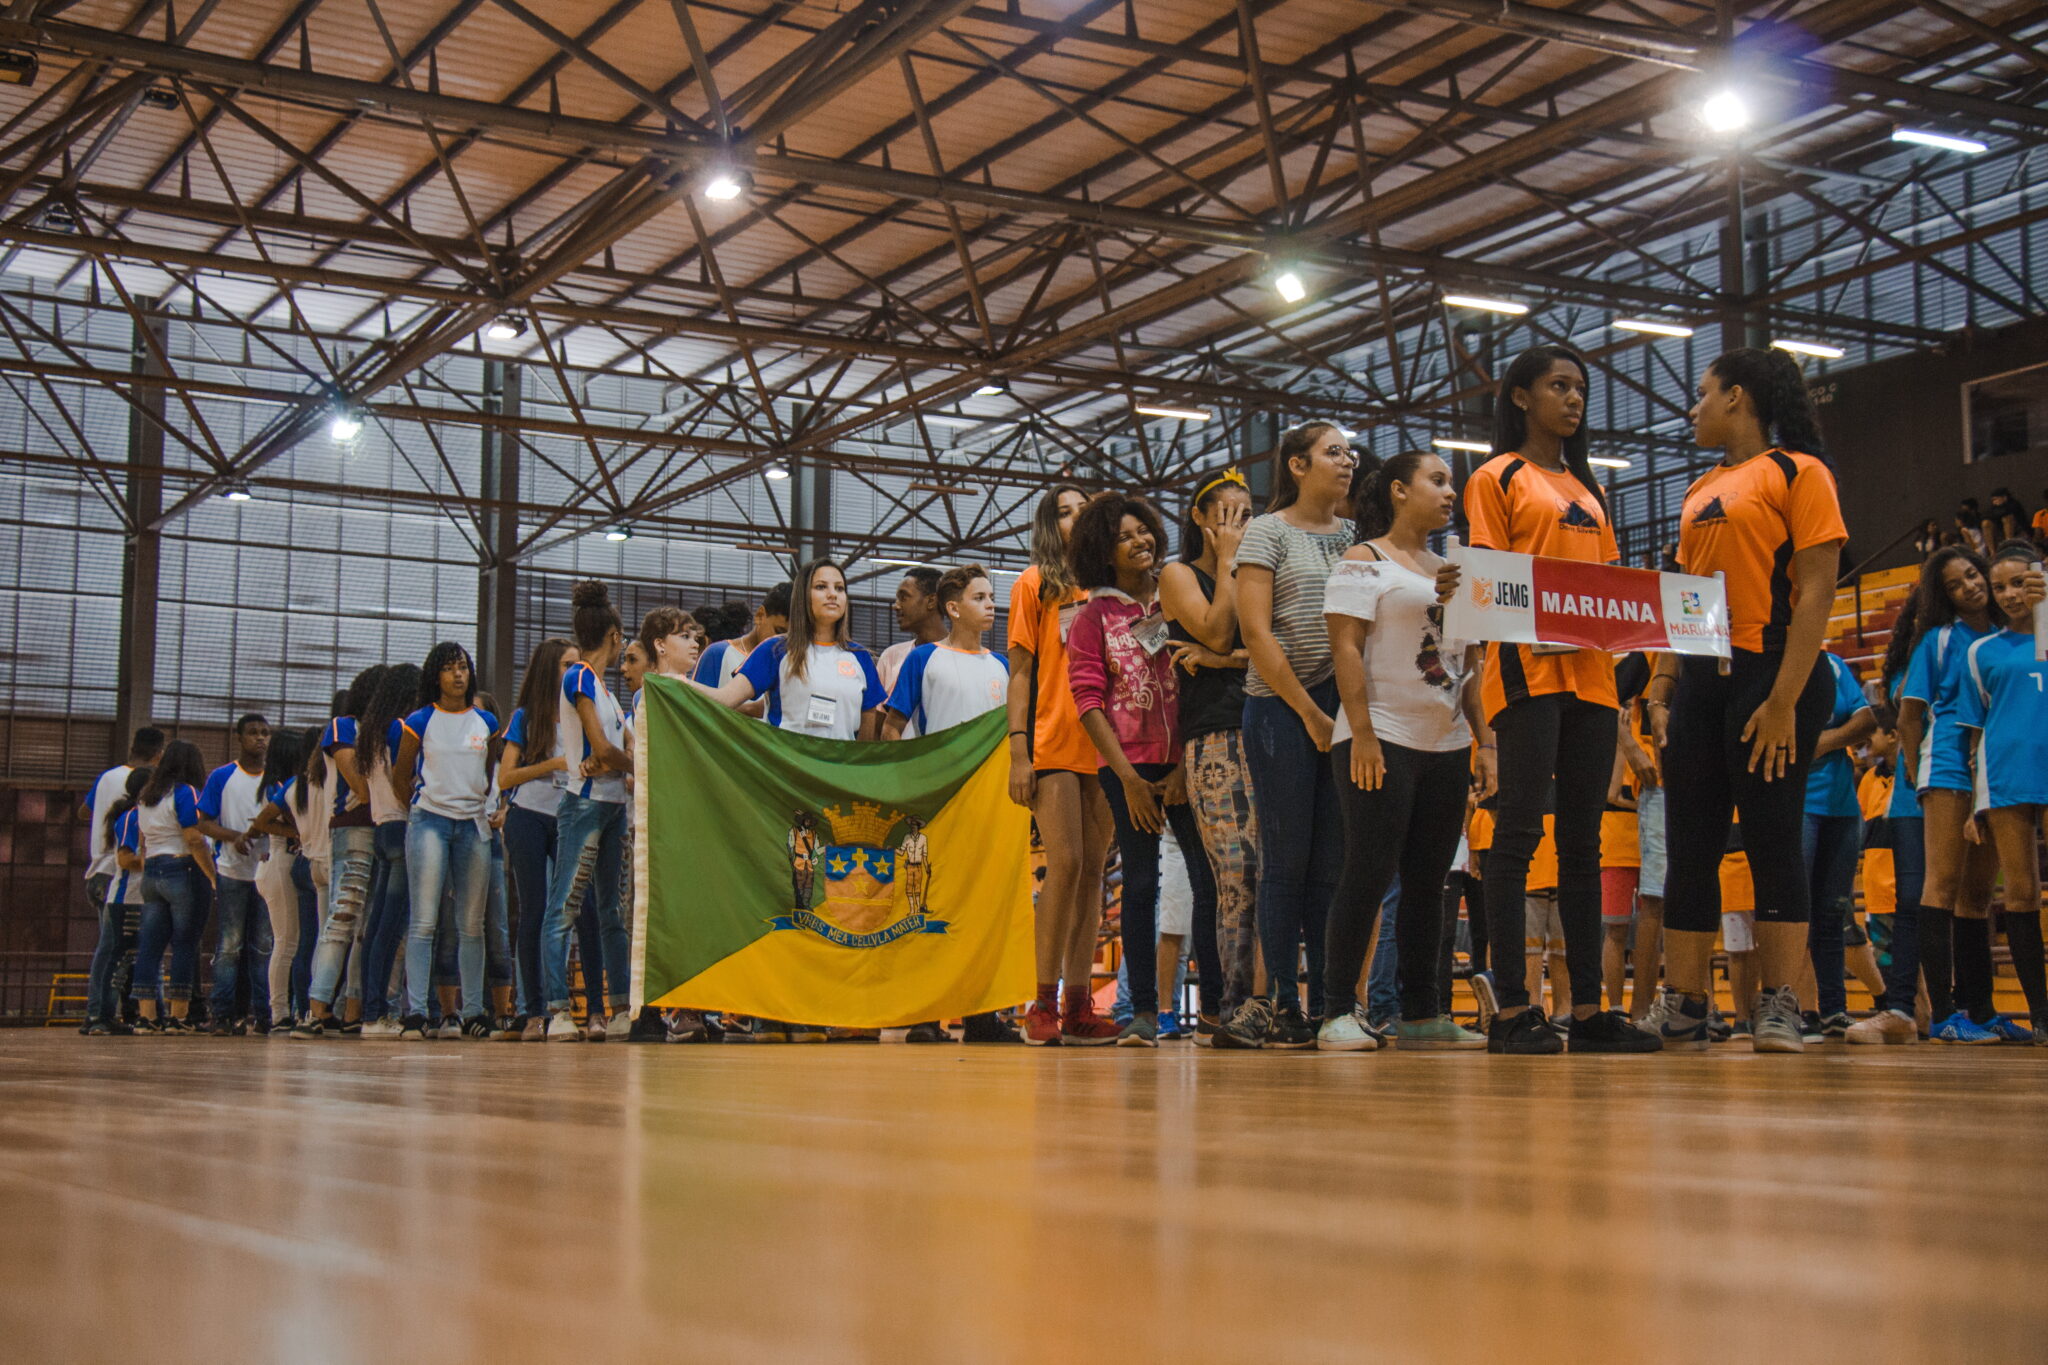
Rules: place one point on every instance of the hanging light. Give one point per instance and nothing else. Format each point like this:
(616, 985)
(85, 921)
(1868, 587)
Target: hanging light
(345, 423)
(238, 491)
(1447, 443)
(1607, 462)
(505, 328)
(726, 184)
(1486, 305)
(1653, 327)
(1725, 111)
(990, 387)
(622, 531)
(1813, 348)
(1289, 285)
(1948, 142)
(776, 472)
(1176, 414)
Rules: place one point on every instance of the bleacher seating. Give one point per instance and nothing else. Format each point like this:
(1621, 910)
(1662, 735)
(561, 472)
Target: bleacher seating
(1860, 625)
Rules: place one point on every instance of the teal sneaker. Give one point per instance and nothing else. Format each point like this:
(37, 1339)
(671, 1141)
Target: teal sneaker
(2008, 1029)
(1441, 1034)
(1959, 1028)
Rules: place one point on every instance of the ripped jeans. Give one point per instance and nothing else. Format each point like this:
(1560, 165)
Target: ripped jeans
(339, 953)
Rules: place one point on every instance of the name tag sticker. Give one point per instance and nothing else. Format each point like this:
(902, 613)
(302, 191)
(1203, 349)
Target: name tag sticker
(822, 713)
(1150, 633)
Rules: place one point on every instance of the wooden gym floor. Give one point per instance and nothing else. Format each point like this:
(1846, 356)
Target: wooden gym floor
(244, 1200)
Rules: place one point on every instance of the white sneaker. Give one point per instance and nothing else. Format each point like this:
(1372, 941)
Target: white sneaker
(449, 1029)
(1778, 1022)
(620, 1027)
(1348, 1032)
(386, 1027)
(562, 1028)
(596, 1031)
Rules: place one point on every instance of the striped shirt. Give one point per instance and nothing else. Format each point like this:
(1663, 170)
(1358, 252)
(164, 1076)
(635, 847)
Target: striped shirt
(1301, 563)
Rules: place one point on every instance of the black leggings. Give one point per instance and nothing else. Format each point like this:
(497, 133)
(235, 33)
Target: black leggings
(1570, 740)
(1707, 781)
(1139, 853)
(1409, 826)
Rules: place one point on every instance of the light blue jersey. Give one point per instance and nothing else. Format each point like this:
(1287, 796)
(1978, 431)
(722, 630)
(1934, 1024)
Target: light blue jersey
(1831, 781)
(2005, 700)
(1935, 676)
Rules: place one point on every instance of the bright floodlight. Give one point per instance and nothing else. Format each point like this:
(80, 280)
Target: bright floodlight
(723, 186)
(237, 492)
(1486, 305)
(1814, 348)
(1947, 142)
(775, 471)
(1289, 286)
(345, 425)
(1446, 443)
(1654, 328)
(1724, 111)
(1178, 414)
(989, 388)
(619, 532)
(1607, 461)
(506, 329)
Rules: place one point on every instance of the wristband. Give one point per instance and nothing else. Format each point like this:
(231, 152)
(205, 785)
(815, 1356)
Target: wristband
(1018, 734)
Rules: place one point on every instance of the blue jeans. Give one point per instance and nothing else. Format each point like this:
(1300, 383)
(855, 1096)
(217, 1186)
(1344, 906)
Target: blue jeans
(589, 840)
(442, 852)
(171, 915)
(309, 935)
(529, 839)
(1909, 874)
(1140, 854)
(1301, 839)
(1831, 844)
(243, 921)
(390, 907)
(100, 1004)
(1383, 985)
(338, 960)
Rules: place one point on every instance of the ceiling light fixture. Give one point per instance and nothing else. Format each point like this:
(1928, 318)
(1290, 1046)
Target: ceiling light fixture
(620, 532)
(780, 551)
(725, 185)
(947, 419)
(946, 490)
(1486, 305)
(238, 491)
(1724, 111)
(989, 388)
(776, 472)
(345, 424)
(1178, 414)
(1653, 327)
(505, 329)
(1447, 443)
(1948, 142)
(1608, 462)
(1813, 348)
(1289, 286)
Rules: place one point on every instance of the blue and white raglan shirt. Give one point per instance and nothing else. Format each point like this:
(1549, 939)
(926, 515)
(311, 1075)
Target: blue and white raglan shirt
(2005, 700)
(231, 797)
(385, 807)
(540, 795)
(579, 682)
(348, 813)
(127, 888)
(99, 849)
(718, 663)
(1934, 676)
(939, 687)
(452, 777)
(162, 826)
(1831, 781)
(840, 684)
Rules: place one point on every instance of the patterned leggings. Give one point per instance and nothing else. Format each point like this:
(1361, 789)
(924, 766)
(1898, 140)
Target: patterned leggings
(1220, 789)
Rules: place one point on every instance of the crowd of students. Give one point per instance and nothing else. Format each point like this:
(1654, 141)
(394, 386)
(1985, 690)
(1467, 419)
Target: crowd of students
(1278, 708)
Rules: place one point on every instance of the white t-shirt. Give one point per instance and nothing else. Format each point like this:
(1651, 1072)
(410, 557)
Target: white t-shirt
(99, 849)
(453, 777)
(720, 660)
(384, 803)
(938, 687)
(539, 795)
(839, 685)
(232, 797)
(1415, 678)
(162, 826)
(581, 681)
(316, 837)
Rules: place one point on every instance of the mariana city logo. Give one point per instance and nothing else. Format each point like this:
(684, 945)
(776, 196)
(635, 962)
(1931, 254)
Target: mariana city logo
(1577, 517)
(1689, 603)
(1711, 514)
(860, 875)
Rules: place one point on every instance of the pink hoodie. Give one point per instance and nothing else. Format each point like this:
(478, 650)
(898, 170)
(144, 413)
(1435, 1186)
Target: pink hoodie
(1112, 673)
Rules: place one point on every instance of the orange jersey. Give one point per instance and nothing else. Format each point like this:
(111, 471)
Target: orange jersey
(1516, 506)
(1058, 741)
(1620, 844)
(1879, 872)
(1738, 891)
(1543, 862)
(1746, 521)
(1479, 834)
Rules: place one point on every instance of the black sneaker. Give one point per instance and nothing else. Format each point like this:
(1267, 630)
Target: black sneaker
(148, 1027)
(1245, 1030)
(220, 1028)
(312, 1026)
(477, 1027)
(1610, 1031)
(1527, 1034)
(1290, 1030)
(927, 1033)
(180, 1027)
(1810, 1030)
(349, 1028)
(1835, 1027)
(412, 1028)
(120, 1028)
(648, 1027)
(989, 1028)
(97, 1028)
(282, 1028)
(1205, 1030)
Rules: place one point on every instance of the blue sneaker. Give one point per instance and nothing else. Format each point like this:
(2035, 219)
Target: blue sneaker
(2009, 1029)
(1959, 1028)
(1170, 1029)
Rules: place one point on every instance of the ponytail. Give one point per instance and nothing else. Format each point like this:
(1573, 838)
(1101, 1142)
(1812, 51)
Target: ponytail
(1778, 394)
(130, 794)
(1372, 490)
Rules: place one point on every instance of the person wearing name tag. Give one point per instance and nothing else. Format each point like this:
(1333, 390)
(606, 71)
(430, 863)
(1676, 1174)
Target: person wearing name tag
(1554, 713)
(1740, 742)
(1124, 687)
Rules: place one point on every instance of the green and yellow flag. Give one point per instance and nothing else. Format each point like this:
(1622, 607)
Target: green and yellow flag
(825, 881)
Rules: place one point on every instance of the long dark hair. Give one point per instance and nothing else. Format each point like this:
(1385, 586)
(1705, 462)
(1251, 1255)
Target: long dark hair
(594, 616)
(438, 658)
(1296, 443)
(540, 694)
(1191, 539)
(396, 694)
(1907, 628)
(1092, 551)
(1372, 491)
(137, 780)
(286, 755)
(313, 774)
(1928, 607)
(1777, 391)
(798, 644)
(1511, 423)
(1048, 548)
(180, 766)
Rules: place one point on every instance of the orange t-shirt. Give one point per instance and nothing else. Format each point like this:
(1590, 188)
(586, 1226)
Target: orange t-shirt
(1738, 890)
(1620, 841)
(1513, 505)
(1058, 743)
(1879, 872)
(1543, 862)
(1747, 521)
(1479, 833)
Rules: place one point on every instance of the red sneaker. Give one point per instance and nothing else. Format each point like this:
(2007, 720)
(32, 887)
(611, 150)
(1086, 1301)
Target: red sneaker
(1086, 1028)
(1041, 1025)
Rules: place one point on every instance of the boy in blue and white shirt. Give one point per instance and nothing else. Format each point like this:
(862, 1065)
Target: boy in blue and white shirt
(951, 681)
(227, 808)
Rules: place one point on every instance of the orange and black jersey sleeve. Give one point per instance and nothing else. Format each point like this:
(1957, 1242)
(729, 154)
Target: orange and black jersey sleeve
(1513, 505)
(1746, 522)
